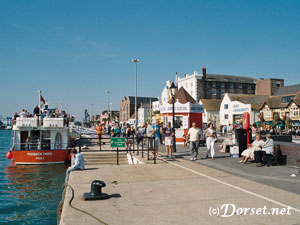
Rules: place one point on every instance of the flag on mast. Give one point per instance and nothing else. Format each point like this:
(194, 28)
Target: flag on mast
(42, 99)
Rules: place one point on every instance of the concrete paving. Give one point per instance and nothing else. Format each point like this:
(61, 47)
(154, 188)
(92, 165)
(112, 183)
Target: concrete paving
(175, 192)
(275, 176)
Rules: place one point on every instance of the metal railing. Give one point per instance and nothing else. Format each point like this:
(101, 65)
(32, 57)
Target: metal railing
(138, 145)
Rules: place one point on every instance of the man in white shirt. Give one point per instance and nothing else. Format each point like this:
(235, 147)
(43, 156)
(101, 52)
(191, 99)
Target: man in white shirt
(194, 137)
(149, 133)
(23, 113)
(78, 162)
(267, 149)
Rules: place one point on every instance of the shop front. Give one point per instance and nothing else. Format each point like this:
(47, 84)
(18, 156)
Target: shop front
(185, 115)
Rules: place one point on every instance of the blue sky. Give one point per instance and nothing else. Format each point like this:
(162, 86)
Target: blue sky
(76, 50)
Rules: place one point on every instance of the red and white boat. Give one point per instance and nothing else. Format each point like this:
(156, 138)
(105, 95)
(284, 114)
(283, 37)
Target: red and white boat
(40, 139)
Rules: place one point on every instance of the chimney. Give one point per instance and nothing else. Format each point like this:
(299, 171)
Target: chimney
(203, 73)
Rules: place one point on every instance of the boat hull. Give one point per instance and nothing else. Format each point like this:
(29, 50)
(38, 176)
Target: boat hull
(40, 156)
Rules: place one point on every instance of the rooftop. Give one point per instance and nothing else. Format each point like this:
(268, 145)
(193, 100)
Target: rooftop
(287, 90)
(141, 99)
(211, 104)
(183, 97)
(256, 101)
(230, 78)
(275, 102)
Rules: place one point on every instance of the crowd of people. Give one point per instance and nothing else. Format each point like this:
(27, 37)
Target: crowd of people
(43, 112)
(164, 135)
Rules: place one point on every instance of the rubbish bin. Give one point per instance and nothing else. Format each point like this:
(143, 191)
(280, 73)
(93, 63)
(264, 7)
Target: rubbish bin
(241, 139)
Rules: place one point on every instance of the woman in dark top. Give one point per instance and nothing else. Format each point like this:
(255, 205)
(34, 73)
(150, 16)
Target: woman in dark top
(129, 137)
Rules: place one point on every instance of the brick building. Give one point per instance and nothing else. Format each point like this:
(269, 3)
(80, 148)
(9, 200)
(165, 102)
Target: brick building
(127, 106)
(268, 86)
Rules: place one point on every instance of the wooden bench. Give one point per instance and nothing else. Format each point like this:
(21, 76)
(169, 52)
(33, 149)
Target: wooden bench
(273, 159)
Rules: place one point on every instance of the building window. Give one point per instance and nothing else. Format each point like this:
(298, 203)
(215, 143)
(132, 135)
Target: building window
(222, 85)
(286, 99)
(222, 93)
(226, 116)
(191, 93)
(231, 85)
(213, 84)
(213, 92)
(191, 84)
(249, 86)
(240, 85)
(225, 106)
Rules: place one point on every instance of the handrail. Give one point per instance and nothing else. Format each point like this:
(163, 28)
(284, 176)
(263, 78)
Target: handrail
(148, 146)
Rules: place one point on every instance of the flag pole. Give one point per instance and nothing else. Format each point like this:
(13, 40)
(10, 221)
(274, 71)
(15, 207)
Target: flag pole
(40, 110)
(39, 99)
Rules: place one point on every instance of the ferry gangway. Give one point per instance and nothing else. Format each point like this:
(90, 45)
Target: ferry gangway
(139, 145)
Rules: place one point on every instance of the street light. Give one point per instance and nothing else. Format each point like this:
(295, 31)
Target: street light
(108, 106)
(173, 90)
(135, 87)
(110, 112)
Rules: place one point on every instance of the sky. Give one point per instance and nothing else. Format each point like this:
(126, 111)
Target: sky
(74, 51)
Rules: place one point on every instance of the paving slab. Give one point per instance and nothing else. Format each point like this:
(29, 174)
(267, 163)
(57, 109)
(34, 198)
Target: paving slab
(174, 192)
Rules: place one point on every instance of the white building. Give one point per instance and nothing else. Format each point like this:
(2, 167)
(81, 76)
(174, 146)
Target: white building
(189, 83)
(156, 106)
(234, 105)
(211, 111)
(165, 94)
(142, 115)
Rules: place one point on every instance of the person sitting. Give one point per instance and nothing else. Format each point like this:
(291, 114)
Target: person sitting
(267, 149)
(227, 142)
(255, 146)
(78, 162)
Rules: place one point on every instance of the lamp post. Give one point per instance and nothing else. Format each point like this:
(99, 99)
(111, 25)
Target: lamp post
(135, 87)
(108, 106)
(92, 113)
(110, 112)
(173, 89)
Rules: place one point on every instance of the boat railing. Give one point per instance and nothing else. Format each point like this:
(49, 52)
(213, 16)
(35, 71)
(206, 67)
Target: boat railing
(53, 122)
(47, 122)
(26, 122)
(37, 146)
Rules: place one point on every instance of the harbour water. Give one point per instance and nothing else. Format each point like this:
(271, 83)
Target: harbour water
(29, 194)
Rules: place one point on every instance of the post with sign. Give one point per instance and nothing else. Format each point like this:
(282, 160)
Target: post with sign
(117, 143)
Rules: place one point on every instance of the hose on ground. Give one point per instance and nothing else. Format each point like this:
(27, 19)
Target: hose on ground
(80, 210)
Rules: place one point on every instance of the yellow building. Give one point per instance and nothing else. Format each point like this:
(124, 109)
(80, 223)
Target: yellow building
(283, 106)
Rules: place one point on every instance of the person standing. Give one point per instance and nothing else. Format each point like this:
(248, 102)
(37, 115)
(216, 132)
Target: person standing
(149, 134)
(123, 130)
(129, 137)
(156, 132)
(194, 134)
(211, 136)
(99, 130)
(169, 134)
(162, 134)
(36, 111)
(254, 130)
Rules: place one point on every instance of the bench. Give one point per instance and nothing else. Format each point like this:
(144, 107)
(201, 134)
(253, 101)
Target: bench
(273, 159)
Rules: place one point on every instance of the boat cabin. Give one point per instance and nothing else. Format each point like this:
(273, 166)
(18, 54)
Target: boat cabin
(44, 134)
